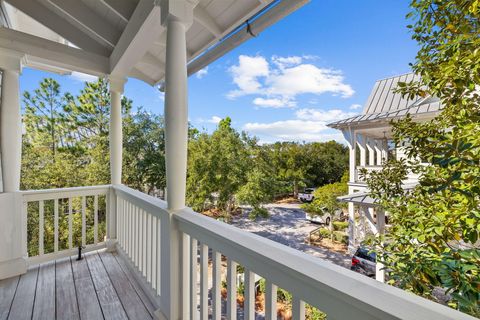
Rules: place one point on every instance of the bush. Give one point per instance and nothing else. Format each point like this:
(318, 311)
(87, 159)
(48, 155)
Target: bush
(340, 225)
(340, 236)
(323, 233)
(258, 212)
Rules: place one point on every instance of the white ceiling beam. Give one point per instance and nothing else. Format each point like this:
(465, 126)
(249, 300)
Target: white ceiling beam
(139, 34)
(122, 8)
(201, 16)
(49, 19)
(135, 73)
(150, 59)
(44, 52)
(88, 19)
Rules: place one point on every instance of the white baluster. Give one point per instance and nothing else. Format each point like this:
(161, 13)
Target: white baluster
(70, 223)
(217, 285)
(193, 277)
(55, 225)
(158, 261)
(249, 304)
(231, 289)
(95, 219)
(40, 226)
(84, 221)
(298, 309)
(204, 282)
(270, 301)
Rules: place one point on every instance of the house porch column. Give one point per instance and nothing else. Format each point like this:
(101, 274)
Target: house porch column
(371, 151)
(378, 150)
(116, 157)
(380, 223)
(362, 145)
(176, 16)
(351, 227)
(13, 236)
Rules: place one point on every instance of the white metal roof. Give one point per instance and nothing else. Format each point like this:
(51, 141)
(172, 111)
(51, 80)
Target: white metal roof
(127, 35)
(385, 104)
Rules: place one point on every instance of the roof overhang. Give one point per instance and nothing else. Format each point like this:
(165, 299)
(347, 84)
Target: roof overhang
(125, 38)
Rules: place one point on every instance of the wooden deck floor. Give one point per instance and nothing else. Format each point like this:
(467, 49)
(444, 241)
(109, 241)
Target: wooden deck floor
(98, 287)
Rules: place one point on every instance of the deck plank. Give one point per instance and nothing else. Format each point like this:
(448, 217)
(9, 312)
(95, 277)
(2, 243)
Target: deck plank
(44, 307)
(110, 303)
(7, 293)
(66, 298)
(128, 296)
(22, 307)
(143, 296)
(88, 304)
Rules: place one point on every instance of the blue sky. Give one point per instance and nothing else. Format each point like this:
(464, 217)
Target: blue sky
(311, 68)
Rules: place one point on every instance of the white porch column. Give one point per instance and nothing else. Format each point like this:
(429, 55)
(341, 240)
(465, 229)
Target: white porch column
(379, 273)
(11, 121)
(350, 137)
(378, 150)
(176, 16)
(116, 159)
(116, 135)
(13, 239)
(351, 227)
(371, 152)
(362, 145)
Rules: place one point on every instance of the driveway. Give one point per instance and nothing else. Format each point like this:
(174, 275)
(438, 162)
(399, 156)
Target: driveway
(287, 225)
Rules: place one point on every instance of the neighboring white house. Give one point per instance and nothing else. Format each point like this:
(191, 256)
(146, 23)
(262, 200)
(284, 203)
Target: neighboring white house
(369, 138)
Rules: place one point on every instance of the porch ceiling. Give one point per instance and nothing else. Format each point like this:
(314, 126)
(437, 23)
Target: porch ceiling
(126, 35)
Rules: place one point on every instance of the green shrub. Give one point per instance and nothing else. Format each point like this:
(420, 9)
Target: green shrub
(258, 212)
(313, 313)
(323, 233)
(340, 225)
(340, 236)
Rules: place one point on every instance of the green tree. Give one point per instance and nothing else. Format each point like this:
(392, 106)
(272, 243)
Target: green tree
(433, 241)
(288, 158)
(325, 198)
(217, 166)
(262, 184)
(44, 109)
(144, 156)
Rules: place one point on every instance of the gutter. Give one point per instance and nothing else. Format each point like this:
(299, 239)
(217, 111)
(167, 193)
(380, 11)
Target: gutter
(250, 28)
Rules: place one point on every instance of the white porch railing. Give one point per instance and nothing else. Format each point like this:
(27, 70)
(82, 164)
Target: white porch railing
(178, 256)
(63, 206)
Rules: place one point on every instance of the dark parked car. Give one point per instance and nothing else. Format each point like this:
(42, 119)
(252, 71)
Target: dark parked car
(364, 261)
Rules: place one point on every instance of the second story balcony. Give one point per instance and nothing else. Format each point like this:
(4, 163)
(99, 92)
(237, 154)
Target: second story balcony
(143, 257)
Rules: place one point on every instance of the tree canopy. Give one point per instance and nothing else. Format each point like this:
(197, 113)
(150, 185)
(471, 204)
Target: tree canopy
(433, 240)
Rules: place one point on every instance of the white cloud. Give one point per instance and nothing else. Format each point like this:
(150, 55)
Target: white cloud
(355, 106)
(307, 78)
(202, 73)
(284, 79)
(292, 130)
(273, 102)
(83, 77)
(247, 73)
(283, 62)
(213, 119)
(322, 115)
(308, 125)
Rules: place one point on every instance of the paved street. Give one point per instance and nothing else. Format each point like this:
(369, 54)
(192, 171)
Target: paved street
(287, 225)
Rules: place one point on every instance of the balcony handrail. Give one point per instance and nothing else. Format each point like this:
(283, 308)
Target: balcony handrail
(59, 193)
(340, 293)
(152, 205)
